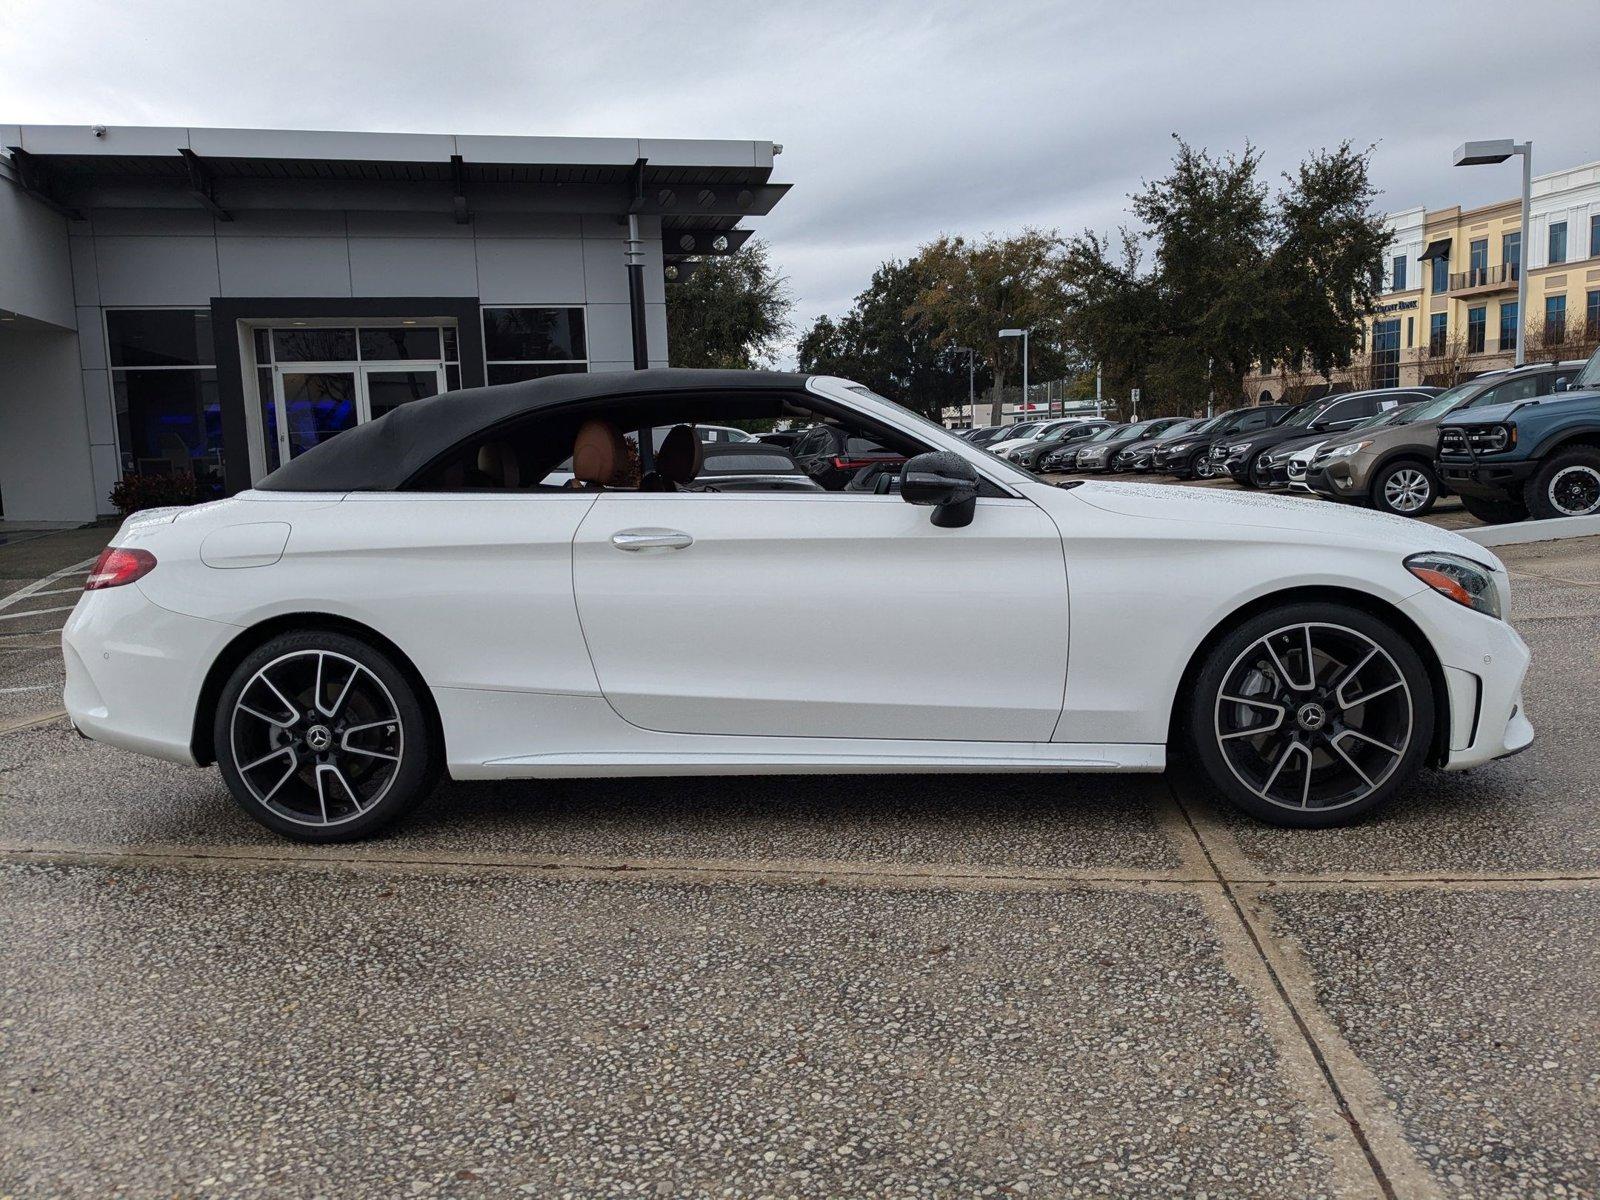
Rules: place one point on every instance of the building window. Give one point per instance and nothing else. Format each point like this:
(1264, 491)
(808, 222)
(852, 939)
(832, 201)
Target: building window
(1508, 326)
(1591, 320)
(530, 343)
(1386, 354)
(1398, 275)
(164, 388)
(1594, 236)
(1511, 251)
(1555, 320)
(1478, 264)
(1477, 319)
(1411, 332)
(1438, 333)
(1441, 274)
(315, 381)
(1558, 243)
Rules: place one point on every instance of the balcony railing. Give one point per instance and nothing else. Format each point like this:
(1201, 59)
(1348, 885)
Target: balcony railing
(1500, 275)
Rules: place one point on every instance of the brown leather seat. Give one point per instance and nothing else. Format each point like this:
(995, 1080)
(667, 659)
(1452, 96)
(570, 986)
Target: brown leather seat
(599, 453)
(678, 461)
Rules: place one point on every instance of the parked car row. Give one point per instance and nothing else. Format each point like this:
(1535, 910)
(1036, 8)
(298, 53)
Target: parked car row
(1512, 443)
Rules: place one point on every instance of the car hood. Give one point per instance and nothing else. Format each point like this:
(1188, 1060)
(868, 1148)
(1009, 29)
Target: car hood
(1300, 521)
(1386, 437)
(1489, 413)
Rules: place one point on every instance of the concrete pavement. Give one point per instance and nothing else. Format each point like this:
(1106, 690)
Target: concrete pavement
(906, 986)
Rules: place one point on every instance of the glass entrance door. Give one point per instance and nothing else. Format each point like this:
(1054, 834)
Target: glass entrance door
(314, 401)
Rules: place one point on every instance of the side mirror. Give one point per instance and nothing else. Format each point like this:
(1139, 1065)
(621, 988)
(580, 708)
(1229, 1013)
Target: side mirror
(944, 481)
(1562, 385)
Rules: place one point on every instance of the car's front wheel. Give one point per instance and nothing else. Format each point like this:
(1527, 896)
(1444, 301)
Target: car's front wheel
(1567, 485)
(322, 738)
(1205, 467)
(1407, 489)
(1311, 714)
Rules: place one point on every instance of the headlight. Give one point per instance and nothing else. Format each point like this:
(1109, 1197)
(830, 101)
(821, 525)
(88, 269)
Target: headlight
(1346, 451)
(1180, 447)
(1238, 447)
(1459, 579)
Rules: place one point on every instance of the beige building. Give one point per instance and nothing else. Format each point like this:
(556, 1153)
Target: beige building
(1448, 307)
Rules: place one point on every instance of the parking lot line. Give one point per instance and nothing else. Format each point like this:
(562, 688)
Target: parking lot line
(38, 585)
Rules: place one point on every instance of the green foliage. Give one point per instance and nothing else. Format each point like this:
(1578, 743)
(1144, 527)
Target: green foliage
(1236, 276)
(877, 345)
(731, 312)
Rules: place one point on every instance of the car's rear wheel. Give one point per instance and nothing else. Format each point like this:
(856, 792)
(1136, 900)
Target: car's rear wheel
(1567, 485)
(1311, 714)
(1494, 512)
(322, 738)
(1407, 489)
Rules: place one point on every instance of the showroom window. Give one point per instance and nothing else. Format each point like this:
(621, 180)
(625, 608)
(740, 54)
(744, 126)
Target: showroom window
(524, 342)
(315, 381)
(164, 388)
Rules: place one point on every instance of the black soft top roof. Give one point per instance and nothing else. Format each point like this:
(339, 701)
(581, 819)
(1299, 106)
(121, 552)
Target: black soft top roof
(382, 455)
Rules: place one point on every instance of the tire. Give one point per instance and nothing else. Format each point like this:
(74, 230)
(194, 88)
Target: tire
(1567, 485)
(1407, 488)
(1321, 756)
(1252, 471)
(359, 753)
(1203, 468)
(1494, 512)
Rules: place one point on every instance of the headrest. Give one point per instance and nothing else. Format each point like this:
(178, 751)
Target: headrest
(598, 452)
(498, 461)
(681, 455)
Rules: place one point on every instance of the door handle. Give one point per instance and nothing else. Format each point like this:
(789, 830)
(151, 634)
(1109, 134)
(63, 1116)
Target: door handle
(651, 539)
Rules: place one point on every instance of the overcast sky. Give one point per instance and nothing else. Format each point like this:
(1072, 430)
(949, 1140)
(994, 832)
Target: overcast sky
(899, 121)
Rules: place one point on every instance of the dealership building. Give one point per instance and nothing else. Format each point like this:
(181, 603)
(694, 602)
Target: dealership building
(216, 301)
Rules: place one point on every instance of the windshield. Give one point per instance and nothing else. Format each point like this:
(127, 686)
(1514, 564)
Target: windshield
(1589, 377)
(1299, 415)
(1181, 427)
(1438, 406)
(1019, 431)
(1208, 425)
(1108, 433)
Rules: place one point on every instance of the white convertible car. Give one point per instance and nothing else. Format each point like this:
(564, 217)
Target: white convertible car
(412, 598)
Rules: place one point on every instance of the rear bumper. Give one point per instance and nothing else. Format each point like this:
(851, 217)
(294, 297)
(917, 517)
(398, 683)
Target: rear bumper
(1492, 481)
(134, 671)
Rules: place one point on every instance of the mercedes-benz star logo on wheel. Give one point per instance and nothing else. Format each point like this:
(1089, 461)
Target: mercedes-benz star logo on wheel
(319, 738)
(1312, 716)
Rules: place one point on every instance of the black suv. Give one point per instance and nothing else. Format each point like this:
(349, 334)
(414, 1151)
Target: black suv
(1189, 457)
(1245, 457)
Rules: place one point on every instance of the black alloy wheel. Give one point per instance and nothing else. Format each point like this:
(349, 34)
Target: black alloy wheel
(1311, 714)
(320, 737)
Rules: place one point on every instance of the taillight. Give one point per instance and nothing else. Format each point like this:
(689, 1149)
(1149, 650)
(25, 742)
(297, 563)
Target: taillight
(117, 566)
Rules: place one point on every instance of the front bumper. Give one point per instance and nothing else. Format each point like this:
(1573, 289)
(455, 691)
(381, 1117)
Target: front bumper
(1336, 480)
(134, 671)
(1485, 661)
(1492, 481)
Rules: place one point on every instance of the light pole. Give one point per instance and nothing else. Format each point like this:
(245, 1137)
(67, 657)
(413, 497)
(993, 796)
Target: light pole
(1023, 334)
(972, 395)
(1475, 154)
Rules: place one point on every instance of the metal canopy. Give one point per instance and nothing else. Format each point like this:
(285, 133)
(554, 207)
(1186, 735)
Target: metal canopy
(1438, 249)
(700, 190)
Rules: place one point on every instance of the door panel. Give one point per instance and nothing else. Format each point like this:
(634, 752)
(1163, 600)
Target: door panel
(837, 615)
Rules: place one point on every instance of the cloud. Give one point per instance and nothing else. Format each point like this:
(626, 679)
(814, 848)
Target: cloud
(900, 120)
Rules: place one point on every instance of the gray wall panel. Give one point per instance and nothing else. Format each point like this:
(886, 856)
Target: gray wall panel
(530, 271)
(413, 266)
(156, 270)
(284, 266)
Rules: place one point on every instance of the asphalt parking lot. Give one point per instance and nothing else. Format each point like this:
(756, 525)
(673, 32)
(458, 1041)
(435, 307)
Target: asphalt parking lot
(907, 986)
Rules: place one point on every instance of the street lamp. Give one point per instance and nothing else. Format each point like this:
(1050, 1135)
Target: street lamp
(972, 396)
(1023, 334)
(1477, 154)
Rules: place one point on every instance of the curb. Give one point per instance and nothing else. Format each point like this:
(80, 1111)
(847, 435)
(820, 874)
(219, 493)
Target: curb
(1521, 532)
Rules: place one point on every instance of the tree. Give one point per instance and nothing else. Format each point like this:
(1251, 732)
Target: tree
(731, 312)
(1236, 276)
(876, 343)
(974, 289)
(1324, 271)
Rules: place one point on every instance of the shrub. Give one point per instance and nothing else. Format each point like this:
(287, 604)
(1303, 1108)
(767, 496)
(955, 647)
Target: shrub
(133, 493)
